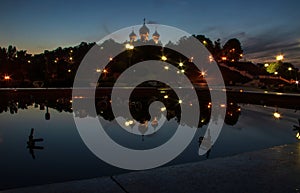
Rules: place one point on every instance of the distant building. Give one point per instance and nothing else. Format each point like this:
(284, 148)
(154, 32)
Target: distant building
(144, 35)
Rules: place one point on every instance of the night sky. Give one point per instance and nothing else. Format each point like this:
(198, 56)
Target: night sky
(265, 28)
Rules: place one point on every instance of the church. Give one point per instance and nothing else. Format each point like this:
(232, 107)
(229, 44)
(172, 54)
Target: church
(144, 36)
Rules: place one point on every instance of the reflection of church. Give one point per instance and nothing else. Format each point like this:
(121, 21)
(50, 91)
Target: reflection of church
(144, 35)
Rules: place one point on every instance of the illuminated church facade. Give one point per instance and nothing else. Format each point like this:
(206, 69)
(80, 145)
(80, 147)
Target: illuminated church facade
(144, 35)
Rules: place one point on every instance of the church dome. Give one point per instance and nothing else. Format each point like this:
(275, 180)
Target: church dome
(144, 29)
(156, 34)
(132, 35)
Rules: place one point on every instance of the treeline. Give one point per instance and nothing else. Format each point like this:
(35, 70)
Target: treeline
(57, 68)
(51, 68)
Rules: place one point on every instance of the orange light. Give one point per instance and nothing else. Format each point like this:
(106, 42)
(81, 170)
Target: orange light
(224, 58)
(6, 77)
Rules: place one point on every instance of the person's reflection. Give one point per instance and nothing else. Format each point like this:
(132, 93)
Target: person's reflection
(47, 114)
(206, 143)
(31, 143)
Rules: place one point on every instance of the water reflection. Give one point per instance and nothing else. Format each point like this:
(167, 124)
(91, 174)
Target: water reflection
(11, 101)
(297, 129)
(206, 144)
(31, 143)
(50, 113)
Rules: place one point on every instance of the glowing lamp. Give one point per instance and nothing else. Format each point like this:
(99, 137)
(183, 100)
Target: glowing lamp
(276, 115)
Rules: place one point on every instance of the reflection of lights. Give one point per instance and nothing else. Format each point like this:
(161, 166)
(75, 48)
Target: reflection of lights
(191, 104)
(127, 123)
(222, 105)
(163, 109)
(166, 67)
(164, 58)
(182, 71)
(178, 71)
(110, 58)
(180, 64)
(130, 122)
(202, 120)
(298, 135)
(166, 96)
(266, 64)
(211, 59)
(78, 97)
(71, 101)
(180, 101)
(276, 115)
(98, 70)
(191, 59)
(279, 57)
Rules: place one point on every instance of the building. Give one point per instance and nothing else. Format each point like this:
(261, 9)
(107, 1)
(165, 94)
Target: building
(144, 35)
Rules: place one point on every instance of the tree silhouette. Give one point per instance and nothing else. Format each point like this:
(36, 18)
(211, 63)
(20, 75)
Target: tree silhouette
(232, 50)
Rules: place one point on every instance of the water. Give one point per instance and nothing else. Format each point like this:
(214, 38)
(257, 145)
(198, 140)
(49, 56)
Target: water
(63, 156)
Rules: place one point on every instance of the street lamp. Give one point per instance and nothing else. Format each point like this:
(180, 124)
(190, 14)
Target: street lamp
(276, 115)
(7, 77)
(164, 58)
(129, 46)
(279, 57)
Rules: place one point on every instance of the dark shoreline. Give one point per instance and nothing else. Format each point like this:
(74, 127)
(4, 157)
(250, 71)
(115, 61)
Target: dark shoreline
(280, 100)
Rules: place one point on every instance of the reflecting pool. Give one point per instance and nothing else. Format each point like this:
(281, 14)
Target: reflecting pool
(39, 142)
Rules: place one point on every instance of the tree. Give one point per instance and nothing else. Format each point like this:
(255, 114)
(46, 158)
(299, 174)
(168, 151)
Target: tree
(217, 50)
(232, 50)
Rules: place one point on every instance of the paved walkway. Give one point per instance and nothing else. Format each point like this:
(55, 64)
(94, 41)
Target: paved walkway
(271, 170)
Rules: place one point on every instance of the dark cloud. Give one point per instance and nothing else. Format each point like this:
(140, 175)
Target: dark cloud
(265, 46)
(152, 22)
